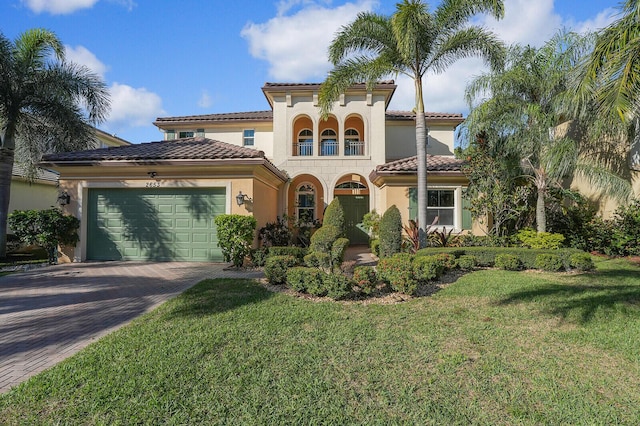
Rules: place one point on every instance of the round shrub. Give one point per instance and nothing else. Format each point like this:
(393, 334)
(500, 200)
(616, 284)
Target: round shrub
(365, 278)
(337, 286)
(397, 271)
(300, 278)
(323, 238)
(390, 232)
(334, 215)
(298, 252)
(467, 262)
(581, 262)
(508, 262)
(275, 268)
(427, 268)
(318, 259)
(259, 256)
(548, 262)
(448, 260)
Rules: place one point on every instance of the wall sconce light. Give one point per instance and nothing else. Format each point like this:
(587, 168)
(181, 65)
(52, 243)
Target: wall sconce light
(152, 175)
(241, 198)
(64, 198)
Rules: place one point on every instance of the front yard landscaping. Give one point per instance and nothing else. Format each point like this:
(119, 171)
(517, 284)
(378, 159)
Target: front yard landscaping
(494, 347)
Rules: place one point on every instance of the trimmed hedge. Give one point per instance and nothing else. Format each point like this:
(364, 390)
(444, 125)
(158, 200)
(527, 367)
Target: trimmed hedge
(337, 286)
(297, 252)
(467, 262)
(508, 262)
(276, 267)
(397, 271)
(365, 278)
(550, 262)
(300, 278)
(581, 262)
(428, 268)
(486, 256)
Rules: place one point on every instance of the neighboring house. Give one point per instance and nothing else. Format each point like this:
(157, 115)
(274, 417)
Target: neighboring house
(157, 200)
(42, 192)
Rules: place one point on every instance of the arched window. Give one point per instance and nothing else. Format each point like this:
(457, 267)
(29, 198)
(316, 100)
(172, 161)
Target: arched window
(352, 143)
(304, 143)
(328, 142)
(306, 203)
(351, 185)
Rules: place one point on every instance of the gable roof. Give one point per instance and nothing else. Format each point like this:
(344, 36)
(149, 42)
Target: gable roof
(41, 174)
(195, 150)
(409, 166)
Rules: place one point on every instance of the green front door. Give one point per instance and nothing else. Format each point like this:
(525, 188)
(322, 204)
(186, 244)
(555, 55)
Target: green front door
(154, 223)
(355, 207)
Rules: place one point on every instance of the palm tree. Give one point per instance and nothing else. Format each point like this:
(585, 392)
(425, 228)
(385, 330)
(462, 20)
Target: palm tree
(527, 103)
(46, 105)
(411, 42)
(613, 69)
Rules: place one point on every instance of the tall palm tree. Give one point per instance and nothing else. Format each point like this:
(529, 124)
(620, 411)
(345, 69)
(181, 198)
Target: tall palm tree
(412, 42)
(46, 105)
(613, 69)
(526, 102)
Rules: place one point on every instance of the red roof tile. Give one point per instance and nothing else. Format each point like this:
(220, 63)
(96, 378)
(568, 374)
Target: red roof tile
(179, 149)
(435, 163)
(222, 117)
(410, 115)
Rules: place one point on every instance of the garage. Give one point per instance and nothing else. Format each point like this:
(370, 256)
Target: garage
(159, 224)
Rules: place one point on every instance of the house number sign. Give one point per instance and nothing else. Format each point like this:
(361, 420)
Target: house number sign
(153, 184)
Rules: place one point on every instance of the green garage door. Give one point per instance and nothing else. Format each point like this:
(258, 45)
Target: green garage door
(154, 224)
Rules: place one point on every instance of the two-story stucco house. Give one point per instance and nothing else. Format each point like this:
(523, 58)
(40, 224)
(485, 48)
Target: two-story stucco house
(156, 200)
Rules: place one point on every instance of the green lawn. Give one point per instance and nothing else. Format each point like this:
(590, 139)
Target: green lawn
(493, 348)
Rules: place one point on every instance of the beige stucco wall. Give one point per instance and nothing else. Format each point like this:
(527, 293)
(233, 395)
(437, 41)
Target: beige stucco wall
(38, 195)
(401, 139)
(606, 205)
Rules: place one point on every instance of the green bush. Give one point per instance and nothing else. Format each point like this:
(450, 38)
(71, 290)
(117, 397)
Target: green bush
(300, 278)
(276, 267)
(235, 236)
(397, 271)
(46, 228)
(467, 262)
(318, 259)
(540, 240)
(297, 252)
(276, 233)
(259, 256)
(448, 260)
(375, 246)
(365, 278)
(390, 232)
(508, 262)
(337, 251)
(486, 255)
(626, 241)
(371, 222)
(428, 268)
(337, 286)
(581, 262)
(334, 216)
(549, 262)
(323, 238)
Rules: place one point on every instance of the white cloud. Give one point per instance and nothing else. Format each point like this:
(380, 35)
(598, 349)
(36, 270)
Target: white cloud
(58, 7)
(205, 100)
(600, 21)
(131, 107)
(296, 46)
(83, 56)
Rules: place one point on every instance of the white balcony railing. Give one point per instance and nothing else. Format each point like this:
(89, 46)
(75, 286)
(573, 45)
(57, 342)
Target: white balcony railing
(354, 148)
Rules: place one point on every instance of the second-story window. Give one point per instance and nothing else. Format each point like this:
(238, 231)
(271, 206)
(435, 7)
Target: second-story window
(352, 143)
(304, 143)
(185, 134)
(328, 143)
(248, 137)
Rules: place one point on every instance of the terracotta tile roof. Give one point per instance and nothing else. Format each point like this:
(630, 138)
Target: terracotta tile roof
(269, 85)
(435, 163)
(179, 149)
(220, 118)
(410, 115)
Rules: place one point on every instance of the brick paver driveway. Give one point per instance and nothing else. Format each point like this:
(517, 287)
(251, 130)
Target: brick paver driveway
(48, 314)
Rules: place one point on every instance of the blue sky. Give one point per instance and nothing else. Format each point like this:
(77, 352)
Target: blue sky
(191, 57)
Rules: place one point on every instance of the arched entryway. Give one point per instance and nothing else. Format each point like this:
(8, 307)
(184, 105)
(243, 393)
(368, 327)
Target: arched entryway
(353, 193)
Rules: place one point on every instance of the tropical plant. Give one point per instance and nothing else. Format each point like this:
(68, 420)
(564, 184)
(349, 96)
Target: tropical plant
(412, 42)
(527, 104)
(235, 236)
(46, 228)
(46, 105)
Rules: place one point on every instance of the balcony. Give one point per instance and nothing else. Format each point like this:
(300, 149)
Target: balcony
(354, 148)
(329, 147)
(303, 149)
